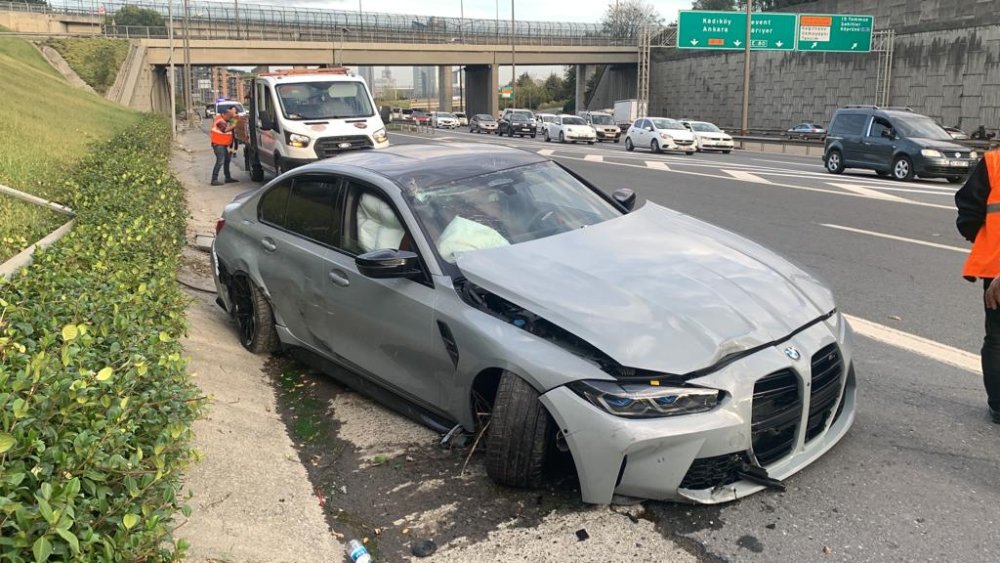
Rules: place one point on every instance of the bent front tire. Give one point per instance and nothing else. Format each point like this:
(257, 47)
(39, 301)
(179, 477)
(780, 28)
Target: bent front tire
(254, 318)
(521, 435)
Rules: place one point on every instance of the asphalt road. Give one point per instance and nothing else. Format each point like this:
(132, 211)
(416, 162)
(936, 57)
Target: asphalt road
(917, 477)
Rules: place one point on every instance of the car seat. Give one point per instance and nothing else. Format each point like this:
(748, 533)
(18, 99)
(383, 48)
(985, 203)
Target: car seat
(378, 226)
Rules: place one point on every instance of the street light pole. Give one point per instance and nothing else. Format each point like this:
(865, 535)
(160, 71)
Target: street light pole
(171, 76)
(236, 18)
(745, 121)
(187, 64)
(513, 63)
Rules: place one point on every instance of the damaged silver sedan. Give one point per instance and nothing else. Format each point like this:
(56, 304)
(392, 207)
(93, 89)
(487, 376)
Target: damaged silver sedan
(673, 359)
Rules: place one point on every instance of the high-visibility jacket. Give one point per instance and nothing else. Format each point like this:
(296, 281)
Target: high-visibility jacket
(984, 260)
(218, 134)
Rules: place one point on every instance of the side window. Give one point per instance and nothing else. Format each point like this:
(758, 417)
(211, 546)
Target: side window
(849, 124)
(372, 223)
(313, 209)
(879, 126)
(267, 103)
(271, 208)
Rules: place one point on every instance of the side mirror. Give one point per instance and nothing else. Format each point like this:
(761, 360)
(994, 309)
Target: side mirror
(266, 123)
(625, 197)
(388, 263)
(649, 128)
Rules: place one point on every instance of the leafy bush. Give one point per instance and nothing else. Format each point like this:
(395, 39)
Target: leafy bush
(134, 15)
(95, 401)
(96, 59)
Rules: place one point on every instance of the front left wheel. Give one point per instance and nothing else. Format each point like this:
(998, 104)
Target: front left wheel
(521, 435)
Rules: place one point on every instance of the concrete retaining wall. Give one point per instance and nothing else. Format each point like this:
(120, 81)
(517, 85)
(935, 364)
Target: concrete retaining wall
(947, 65)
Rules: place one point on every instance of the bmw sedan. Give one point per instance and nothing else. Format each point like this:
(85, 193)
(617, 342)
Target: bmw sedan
(483, 288)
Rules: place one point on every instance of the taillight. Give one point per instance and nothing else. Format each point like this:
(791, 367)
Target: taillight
(219, 223)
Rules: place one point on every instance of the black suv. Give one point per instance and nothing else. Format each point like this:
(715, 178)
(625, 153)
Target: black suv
(894, 142)
(517, 122)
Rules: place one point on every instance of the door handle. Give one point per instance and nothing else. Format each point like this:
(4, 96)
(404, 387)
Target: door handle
(268, 244)
(339, 278)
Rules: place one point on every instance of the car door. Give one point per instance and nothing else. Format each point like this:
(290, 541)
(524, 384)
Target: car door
(641, 137)
(877, 148)
(268, 137)
(850, 130)
(299, 222)
(386, 327)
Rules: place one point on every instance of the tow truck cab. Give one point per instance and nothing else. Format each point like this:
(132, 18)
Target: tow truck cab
(300, 116)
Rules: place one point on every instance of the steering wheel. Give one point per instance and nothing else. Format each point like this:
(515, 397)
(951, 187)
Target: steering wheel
(547, 221)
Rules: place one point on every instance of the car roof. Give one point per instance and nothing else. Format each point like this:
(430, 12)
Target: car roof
(423, 165)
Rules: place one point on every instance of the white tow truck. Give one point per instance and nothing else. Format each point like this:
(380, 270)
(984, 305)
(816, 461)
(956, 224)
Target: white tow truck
(303, 115)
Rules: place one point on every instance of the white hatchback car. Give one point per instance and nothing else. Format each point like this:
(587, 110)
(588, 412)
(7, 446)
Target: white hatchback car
(570, 128)
(660, 134)
(710, 137)
(543, 120)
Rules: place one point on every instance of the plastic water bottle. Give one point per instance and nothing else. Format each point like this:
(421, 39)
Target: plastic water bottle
(357, 552)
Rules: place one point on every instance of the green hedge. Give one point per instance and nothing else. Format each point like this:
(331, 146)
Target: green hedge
(95, 402)
(95, 59)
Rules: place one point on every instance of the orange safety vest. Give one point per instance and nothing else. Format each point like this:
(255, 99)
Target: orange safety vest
(984, 260)
(217, 135)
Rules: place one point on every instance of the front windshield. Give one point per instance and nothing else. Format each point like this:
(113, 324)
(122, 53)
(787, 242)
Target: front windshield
(547, 118)
(573, 121)
(223, 108)
(445, 114)
(484, 117)
(602, 120)
(703, 127)
(325, 100)
(662, 123)
(506, 207)
(920, 127)
(521, 116)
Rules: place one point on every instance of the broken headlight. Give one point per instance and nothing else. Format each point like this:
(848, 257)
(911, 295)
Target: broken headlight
(641, 400)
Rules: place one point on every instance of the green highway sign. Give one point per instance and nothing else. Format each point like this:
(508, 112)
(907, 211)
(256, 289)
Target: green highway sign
(835, 33)
(728, 30)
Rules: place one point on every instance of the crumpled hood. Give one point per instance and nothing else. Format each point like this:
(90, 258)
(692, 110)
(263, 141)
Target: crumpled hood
(655, 289)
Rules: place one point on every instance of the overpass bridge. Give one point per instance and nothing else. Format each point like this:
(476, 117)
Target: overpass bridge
(220, 34)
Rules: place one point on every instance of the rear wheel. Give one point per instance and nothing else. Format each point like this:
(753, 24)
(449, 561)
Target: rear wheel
(520, 437)
(834, 162)
(726, 152)
(628, 144)
(254, 318)
(902, 168)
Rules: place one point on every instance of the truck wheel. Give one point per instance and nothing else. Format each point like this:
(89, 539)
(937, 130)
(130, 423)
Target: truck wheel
(254, 318)
(520, 437)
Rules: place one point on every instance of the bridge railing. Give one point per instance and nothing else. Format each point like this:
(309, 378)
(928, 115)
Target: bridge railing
(223, 20)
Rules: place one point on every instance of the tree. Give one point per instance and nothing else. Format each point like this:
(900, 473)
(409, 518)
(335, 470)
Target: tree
(554, 87)
(136, 16)
(715, 5)
(569, 83)
(624, 18)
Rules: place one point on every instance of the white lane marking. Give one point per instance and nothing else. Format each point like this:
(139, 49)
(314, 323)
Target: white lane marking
(916, 344)
(898, 238)
(773, 184)
(747, 177)
(792, 161)
(594, 158)
(867, 192)
(545, 152)
(657, 165)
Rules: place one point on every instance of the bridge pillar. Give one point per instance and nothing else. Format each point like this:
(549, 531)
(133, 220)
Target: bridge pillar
(444, 88)
(583, 74)
(482, 82)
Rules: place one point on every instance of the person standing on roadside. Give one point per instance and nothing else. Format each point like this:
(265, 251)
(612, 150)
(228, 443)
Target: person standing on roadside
(222, 137)
(978, 221)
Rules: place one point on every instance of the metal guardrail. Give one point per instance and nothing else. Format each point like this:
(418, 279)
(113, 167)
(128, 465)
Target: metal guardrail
(260, 21)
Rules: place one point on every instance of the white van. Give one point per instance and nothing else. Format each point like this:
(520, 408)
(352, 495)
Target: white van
(300, 116)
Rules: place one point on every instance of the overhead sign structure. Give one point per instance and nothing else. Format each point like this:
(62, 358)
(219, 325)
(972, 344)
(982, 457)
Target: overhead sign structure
(728, 31)
(836, 33)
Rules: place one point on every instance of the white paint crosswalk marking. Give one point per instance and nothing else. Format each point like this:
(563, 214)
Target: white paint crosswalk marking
(747, 176)
(916, 344)
(657, 165)
(898, 238)
(866, 191)
(545, 152)
(594, 158)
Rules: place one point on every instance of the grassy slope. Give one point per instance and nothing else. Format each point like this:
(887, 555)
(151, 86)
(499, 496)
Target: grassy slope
(46, 127)
(95, 59)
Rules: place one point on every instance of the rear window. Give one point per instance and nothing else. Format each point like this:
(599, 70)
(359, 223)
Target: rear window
(849, 124)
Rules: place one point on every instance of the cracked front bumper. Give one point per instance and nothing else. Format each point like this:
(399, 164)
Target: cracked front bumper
(673, 458)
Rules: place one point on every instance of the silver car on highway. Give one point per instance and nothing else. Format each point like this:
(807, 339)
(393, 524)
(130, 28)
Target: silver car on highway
(482, 287)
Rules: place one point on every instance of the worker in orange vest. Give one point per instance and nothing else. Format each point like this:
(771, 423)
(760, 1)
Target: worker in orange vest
(978, 205)
(222, 137)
